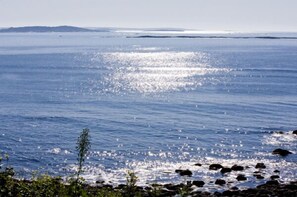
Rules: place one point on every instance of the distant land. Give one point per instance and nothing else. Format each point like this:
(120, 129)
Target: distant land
(43, 29)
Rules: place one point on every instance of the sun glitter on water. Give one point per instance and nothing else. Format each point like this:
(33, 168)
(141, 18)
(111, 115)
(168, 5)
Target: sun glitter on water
(152, 72)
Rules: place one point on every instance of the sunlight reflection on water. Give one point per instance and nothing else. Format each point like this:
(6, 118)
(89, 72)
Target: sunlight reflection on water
(151, 72)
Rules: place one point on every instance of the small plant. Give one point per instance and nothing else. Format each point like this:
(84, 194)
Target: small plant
(185, 190)
(131, 187)
(83, 146)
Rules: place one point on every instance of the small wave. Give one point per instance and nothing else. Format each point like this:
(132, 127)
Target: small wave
(163, 172)
(58, 151)
(280, 139)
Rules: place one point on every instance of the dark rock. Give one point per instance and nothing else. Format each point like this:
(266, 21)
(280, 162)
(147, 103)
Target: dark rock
(258, 176)
(241, 177)
(272, 182)
(173, 187)
(220, 182)
(198, 164)
(230, 193)
(215, 166)
(295, 132)
(121, 186)
(237, 168)
(279, 132)
(276, 171)
(234, 188)
(99, 181)
(260, 165)
(257, 172)
(198, 183)
(281, 152)
(184, 172)
(225, 170)
(274, 177)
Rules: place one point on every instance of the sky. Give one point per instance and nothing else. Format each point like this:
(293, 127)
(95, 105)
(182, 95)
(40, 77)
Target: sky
(214, 15)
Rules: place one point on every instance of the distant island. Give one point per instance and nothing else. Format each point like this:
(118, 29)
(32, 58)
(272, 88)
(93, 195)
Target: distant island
(43, 29)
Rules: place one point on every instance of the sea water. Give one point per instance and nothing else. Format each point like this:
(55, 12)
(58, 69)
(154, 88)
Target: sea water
(153, 105)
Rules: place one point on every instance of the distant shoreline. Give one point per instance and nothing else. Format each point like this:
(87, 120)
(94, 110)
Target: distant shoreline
(45, 29)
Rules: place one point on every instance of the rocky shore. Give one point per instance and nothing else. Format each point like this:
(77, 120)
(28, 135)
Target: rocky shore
(270, 188)
(269, 183)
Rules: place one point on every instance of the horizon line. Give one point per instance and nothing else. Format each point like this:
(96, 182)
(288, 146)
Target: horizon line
(173, 29)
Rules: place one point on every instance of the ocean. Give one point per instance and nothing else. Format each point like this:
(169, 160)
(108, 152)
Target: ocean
(152, 104)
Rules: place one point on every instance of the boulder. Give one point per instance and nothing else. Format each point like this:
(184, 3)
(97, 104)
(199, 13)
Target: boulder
(295, 132)
(198, 183)
(279, 132)
(241, 177)
(274, 177)
(215, 166)
(258, 176)
(220, 182)
(260, 165)
(281, 152)
(225, 170)
(198, 164)
(272, 182)
(230, 193)
(184, 172)
(237, 168)
(276, 171)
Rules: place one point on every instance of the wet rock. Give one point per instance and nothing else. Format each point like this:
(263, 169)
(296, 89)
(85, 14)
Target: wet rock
(274, 177)
(215, 166)
(225, 170)
(281, 152)
(237, 168)
(272, 182)
(234, 188)
(198, 183)
(121, 186)
(184, 172)
(258, 176)
(294, 132)
(230, 193)
(173, 187)
(198, 164)
(279, 132)
(241, 177)
(260, 165)
(276, 171)
(220, 182)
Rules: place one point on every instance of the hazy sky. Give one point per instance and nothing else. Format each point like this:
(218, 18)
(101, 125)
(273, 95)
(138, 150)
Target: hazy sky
(240, 15)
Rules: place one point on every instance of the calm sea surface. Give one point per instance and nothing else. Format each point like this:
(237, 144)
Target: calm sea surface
(152, 105)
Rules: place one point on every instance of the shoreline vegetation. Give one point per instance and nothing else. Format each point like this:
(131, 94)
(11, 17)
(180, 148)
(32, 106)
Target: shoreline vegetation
(47, 186)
